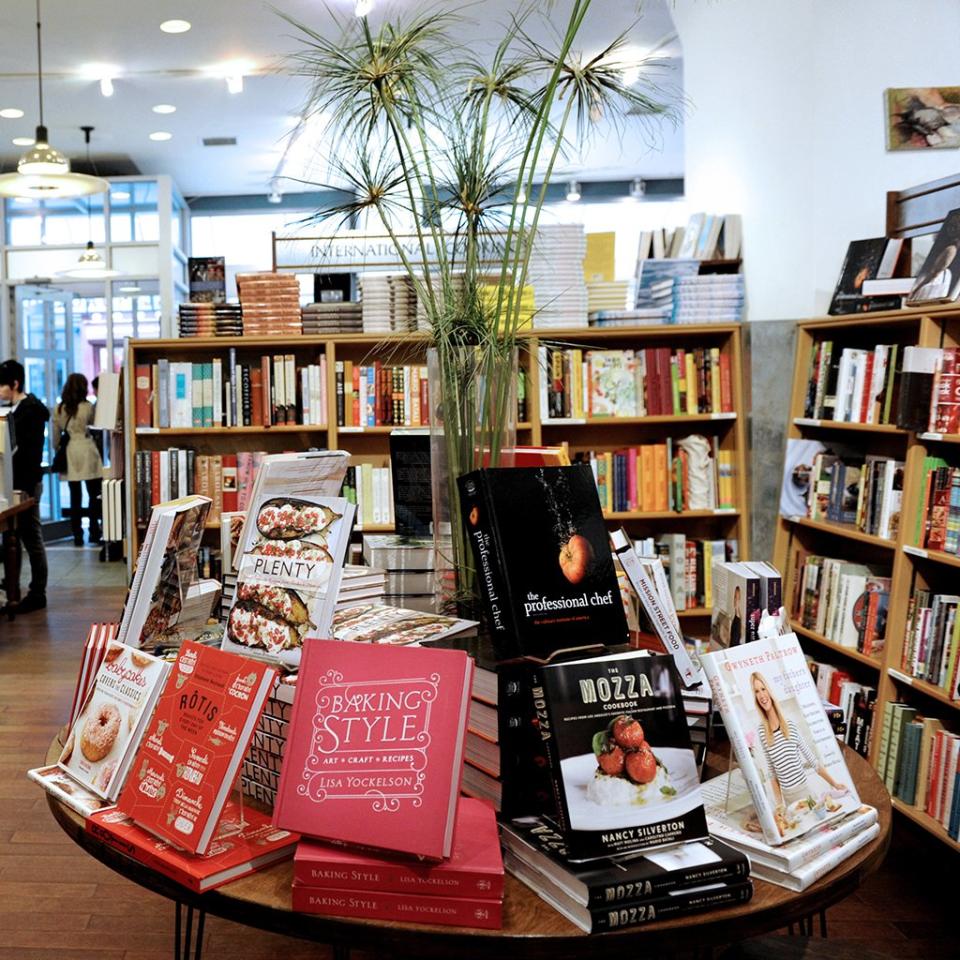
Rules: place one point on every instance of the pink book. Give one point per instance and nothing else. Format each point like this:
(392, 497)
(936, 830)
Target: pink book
(632, 494)
(474, 869)
(375, 746)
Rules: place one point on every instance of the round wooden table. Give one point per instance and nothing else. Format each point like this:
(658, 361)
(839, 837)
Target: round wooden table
(531, 929)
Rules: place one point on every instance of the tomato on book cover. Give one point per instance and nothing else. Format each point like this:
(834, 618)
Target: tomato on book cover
(624, 772)
(185, 767)
(543, 558)
(375, 746)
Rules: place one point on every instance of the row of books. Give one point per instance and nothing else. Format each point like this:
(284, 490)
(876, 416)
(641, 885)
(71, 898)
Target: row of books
(376, 395)
(866, 493)
(225, 393)
(370, 488)
(655, 381)
(931, 640)
(689, 563)
(919, 761)
(844, 601)
(852, 701)
(855, 385)
(938, 514)
(664, 476)
(705, 236)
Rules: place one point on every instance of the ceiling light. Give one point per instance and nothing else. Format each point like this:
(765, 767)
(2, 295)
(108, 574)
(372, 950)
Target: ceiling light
(11, 113)
(638, 189)
(128, 289)
(274, 196)
(41, 159)
(235, 83)
(161, 135)
(106, 86)
(119, 195)
(363, 7)
(164, 108)
(23, 141)
(175, 26)
(90, 266)
(573, 191)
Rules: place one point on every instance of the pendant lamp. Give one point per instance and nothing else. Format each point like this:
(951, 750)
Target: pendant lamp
(90, 265)
(43, 171)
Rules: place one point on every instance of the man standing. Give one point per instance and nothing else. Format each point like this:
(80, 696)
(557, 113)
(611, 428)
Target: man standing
(29, 418)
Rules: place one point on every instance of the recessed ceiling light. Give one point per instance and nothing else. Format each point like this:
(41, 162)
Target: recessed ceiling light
(128, 289)
(175, 26)
(11, 113)
(119, 195)
(23, 141)
(161, 135)
(164, 108)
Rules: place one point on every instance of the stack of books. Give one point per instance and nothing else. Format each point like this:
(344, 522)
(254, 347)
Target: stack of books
(556, 275)
(411, 568)
(211, 320)
(360, 584)
(455, 281)
(260, 771)
(709, 298)
(609, 295)
(389, 303)
(656, 280)
(271, 304)
(322, 319)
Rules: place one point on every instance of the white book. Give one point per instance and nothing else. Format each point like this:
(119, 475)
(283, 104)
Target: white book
(182, 473)
(307, 411)
(811, 872)
(891, 499)
(101, 745)
(731, 817)
(290, 386)
(841, 409)
(217, 392)
(62, 786)
(544, 382)
(164, 475)
(783, 742)
(855, 585)
(691, 235)
(877, 380)
(859, 385)
(107, 411)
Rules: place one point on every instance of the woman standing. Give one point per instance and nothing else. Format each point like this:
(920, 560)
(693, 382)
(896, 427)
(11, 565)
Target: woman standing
(75, 414)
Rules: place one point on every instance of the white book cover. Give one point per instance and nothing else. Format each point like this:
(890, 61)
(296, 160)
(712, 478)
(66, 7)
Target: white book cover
(783, 742)
(290, 563)
(62, 786)
(811, 872)
(100, 747)
(731, 817)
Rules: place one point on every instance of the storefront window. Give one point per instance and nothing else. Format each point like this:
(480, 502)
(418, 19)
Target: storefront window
(134, 215)
(54, 222)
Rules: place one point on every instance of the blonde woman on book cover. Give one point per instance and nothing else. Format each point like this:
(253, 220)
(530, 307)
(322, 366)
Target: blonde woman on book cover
(788, 755)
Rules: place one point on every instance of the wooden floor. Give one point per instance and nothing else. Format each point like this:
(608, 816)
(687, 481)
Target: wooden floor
(57, 903)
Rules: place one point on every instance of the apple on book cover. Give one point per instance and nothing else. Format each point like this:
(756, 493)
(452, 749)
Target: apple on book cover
(190, 754)
(375, 746)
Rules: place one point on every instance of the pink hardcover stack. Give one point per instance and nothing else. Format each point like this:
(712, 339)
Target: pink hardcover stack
(465, 890)
(93, 649)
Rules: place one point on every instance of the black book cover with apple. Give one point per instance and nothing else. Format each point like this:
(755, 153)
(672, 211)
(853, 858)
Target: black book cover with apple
(624, 773)
(543, 560)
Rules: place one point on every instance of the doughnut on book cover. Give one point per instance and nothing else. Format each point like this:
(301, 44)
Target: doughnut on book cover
(542, 554)
(374, 750)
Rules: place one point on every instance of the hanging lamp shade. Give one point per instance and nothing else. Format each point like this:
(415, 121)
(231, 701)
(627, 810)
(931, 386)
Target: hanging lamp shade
(90, 266)
(41, 159)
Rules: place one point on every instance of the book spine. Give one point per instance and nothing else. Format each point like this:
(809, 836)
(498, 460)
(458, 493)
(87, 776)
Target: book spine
(374, 905)
(638, 914)
(338, 367)
(541, 711)
(398, 878)
(602, 895)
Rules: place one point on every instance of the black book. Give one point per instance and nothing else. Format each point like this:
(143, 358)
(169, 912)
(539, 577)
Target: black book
(543, 559)
(412, 488)
(916, 387)
(862, 262)
(624, 773)
(619, 916)
(639, 876)
(246, 396)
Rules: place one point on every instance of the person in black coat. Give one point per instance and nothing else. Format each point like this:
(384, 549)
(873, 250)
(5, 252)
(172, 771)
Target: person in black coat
(29, 418)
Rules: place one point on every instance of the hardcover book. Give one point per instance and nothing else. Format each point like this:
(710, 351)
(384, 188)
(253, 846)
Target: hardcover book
(789, 755)
(543, 558)
(67, 790)
(290, 566)
(737, 608)
(622, 879)
(375, 746)
(380, 623)
(412, 490)
(474, 869)
(186, 765)
(862, 262)
(166, 568)
(938, 279)
(624, 774)
(619, 916)
(246, 841)
(100, 746)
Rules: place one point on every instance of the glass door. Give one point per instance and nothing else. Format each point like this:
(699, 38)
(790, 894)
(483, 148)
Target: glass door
(45, 327)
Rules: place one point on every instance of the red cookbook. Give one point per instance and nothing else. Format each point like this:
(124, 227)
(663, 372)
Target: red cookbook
(189, 757)
(375, 746)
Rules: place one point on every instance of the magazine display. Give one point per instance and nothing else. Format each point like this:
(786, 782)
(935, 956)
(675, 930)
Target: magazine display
(624, 774)
(781, 736)
(289, 574)
(99, 749)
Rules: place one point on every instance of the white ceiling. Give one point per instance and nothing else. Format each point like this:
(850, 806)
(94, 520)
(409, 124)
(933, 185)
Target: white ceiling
(156, 67)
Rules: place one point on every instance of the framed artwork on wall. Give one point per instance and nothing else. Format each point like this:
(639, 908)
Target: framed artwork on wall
(921, 118)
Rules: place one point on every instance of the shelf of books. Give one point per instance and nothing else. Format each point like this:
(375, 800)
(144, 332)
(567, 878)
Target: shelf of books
(657, 411)
(869, 535)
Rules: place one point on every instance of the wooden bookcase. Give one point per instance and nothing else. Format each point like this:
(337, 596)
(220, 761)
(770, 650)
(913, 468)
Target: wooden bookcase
(909, 564)
(372, 444)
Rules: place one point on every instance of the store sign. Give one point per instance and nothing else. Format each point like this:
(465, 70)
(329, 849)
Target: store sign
(352, 250)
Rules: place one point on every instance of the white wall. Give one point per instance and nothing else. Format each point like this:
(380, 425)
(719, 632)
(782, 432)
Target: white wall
(787, 126)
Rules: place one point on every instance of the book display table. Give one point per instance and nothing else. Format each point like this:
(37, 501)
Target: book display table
(12, 553)
(531, 930)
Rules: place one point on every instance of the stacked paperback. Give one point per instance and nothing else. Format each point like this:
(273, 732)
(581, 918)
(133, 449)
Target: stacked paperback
(211, 320)
(271, 304)
(411, 568)
(556, 275)
(389, 303)
(323, 319)
(708, 298)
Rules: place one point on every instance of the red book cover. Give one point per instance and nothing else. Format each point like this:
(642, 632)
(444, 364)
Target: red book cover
(143, 404)
(666, 384)
(229, 483)
(405, 907)
(154, 477)
(93, 650)
(256, 396)
(651, 386)
(939, 510)
(633, 492)
(726, 384)
(424, 402)
(474, 869)
(189, 757)
(866, 397)
(947, 396)
(375, 746)
(243, 845)
(355, 397)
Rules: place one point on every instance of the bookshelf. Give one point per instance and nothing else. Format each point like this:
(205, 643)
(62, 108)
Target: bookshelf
(371, 444)
(910, 564)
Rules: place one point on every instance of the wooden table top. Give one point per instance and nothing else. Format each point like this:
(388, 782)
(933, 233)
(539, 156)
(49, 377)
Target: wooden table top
(531, 929)
(20, 507)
